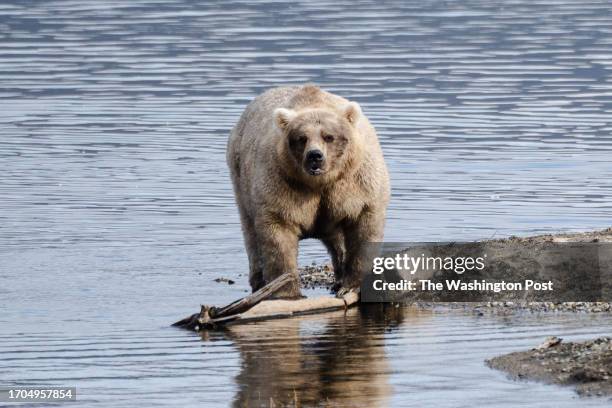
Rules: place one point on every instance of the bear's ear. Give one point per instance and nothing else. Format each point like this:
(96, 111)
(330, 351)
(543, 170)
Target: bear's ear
(283, 116)
(352, 112)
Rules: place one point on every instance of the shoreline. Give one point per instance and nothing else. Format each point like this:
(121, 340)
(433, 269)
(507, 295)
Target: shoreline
(322, 277)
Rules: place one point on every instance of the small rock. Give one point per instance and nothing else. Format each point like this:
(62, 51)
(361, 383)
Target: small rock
(551, 341)
(226, 280)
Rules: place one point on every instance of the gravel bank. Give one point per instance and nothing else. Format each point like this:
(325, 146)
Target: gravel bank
(322, 276)
(587, 365)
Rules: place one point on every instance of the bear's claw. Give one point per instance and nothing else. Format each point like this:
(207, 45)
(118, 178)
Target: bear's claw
(343, 291)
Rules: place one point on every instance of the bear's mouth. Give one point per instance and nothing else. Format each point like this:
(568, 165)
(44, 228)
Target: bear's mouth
(314, 169)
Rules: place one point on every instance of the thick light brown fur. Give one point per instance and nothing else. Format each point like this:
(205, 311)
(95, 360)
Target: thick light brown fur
(283, 197)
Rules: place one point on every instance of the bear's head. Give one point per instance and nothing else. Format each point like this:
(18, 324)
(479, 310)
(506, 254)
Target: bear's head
(320, 142)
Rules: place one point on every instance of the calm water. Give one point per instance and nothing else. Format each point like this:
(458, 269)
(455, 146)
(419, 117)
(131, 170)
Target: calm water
(116, 211)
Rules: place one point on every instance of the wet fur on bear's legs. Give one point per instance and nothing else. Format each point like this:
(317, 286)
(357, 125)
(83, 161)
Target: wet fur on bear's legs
(278, 249)
(366, 230)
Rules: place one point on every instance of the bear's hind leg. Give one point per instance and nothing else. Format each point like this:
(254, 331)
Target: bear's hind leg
(368, 229)
(337, 250)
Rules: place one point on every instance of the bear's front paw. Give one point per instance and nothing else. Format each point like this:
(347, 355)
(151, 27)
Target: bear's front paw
(290, 291)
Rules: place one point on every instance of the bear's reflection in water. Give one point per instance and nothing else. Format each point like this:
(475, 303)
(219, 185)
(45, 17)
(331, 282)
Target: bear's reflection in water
(333, 359)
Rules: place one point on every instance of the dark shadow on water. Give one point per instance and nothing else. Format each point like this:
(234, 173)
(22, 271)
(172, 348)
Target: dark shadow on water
(333, 359)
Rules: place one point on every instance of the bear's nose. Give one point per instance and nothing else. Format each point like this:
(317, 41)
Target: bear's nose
(314, 156)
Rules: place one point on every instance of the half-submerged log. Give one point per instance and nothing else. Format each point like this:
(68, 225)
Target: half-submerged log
(256, 307)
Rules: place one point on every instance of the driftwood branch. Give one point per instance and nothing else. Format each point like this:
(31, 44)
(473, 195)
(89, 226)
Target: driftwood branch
(256, 307)
(244, 304)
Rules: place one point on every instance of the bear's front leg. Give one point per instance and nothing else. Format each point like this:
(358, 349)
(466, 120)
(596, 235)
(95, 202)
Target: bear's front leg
(278, 245)
(367, 229)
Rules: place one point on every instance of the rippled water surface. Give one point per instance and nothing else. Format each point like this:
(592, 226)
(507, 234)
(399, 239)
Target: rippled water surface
(116, 210)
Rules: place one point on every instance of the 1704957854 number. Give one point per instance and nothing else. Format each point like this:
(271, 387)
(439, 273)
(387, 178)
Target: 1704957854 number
(37, 394)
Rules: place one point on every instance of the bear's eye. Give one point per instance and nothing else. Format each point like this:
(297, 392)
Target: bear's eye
(302, 139)
(328, 138)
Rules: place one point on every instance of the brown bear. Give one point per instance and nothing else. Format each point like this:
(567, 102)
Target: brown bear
(306, 163)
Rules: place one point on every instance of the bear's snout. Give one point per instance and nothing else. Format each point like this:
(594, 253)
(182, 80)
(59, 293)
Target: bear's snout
(314, 161)
(315, 156)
